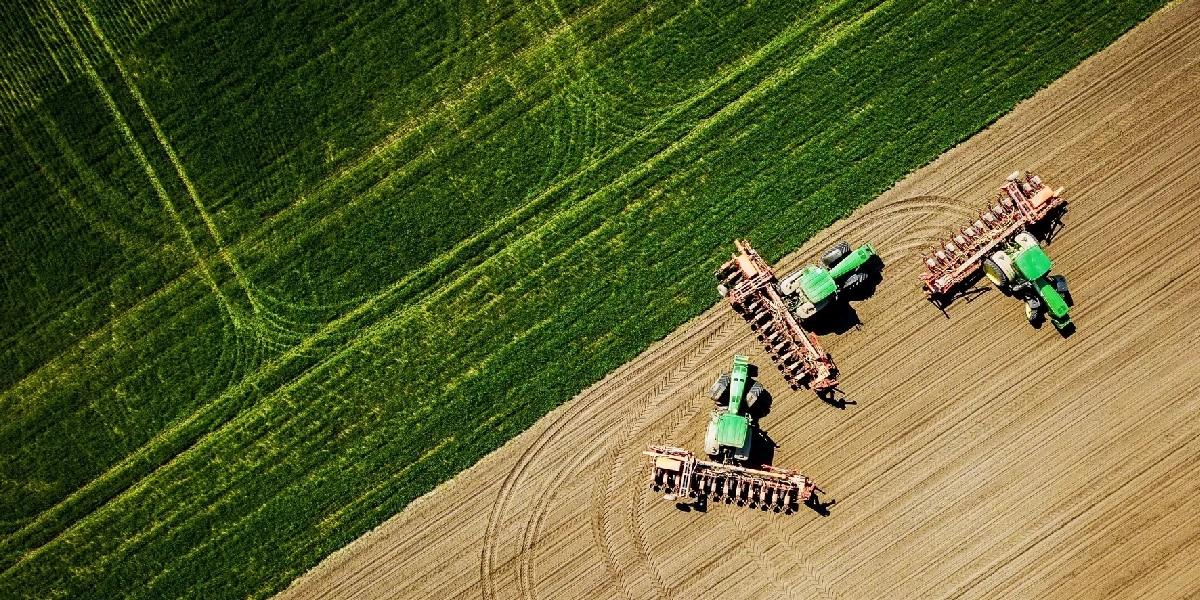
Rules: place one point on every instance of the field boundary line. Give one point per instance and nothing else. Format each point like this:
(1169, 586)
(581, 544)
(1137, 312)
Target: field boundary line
(525, 211)
(383, 325)
(140, 154)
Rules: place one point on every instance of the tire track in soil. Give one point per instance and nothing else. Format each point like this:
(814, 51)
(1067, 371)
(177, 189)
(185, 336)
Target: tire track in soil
(622, 447)
(898, 245)
(530, 455)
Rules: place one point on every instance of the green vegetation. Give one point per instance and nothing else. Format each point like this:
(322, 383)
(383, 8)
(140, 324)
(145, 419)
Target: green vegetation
(272, 271)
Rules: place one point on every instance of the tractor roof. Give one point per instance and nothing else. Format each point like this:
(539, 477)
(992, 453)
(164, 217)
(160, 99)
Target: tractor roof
(817, 284)
(1032, 263)
(732, 430)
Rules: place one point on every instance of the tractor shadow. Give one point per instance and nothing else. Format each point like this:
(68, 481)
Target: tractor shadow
(835, 320)
(1065, 332)
(700, 505)
(974, 287)
(762, 449)
(841, 317)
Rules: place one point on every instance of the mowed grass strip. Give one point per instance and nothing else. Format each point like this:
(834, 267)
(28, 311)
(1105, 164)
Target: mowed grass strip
(743, 121)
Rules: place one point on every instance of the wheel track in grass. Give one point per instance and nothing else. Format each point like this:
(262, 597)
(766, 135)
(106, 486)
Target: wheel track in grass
(512, 221)
(144, 301)
(29, 89)
(415, 126)
(382, 325)
(269, 326)
(139, 153)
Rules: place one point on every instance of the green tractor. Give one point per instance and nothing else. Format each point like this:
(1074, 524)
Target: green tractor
(730, 432)
(1023, 269)
(814, 287)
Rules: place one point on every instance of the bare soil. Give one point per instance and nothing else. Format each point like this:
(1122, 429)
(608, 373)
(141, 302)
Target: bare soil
(975, 457)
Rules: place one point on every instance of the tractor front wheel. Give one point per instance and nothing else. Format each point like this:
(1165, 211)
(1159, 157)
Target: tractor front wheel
(752, 396)
(854, 281)
(995, 273)
(835, 255)
(1060, 286)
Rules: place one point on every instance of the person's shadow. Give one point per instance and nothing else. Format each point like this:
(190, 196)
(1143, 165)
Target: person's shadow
(835, 398)
(821, 508)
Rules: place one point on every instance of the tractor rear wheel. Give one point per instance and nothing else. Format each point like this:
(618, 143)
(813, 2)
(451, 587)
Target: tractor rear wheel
(1033, 310)
(1060, 286)
(854, 281)
(835, 255)
(753, 394)
(995, 273)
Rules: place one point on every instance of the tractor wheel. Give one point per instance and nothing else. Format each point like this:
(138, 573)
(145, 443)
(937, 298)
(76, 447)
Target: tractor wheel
(719, 387)
(753, 394)
(854, 281)
(996, 273)
(805, 310)
(1060, 286)
(1033, 311)
(722, 290)
(835, 255)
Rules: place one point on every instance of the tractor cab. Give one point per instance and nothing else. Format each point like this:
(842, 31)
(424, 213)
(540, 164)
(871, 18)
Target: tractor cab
(733, 432)
(1034, 267)
(729, 434)
(817, 284)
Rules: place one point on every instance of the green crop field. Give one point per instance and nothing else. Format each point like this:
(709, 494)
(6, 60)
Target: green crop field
(273, 270)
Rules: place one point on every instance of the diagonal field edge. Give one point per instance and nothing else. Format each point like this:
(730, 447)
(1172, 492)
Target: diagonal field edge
(385, 325)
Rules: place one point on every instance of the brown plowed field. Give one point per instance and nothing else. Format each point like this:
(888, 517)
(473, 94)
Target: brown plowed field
(977, 457)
